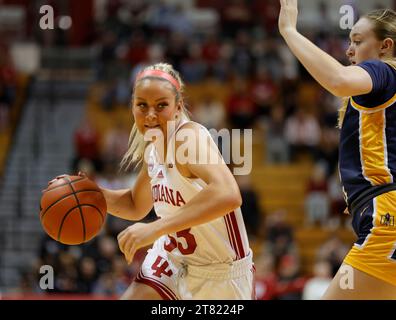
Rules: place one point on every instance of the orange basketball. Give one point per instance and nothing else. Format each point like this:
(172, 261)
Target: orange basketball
(72, 209)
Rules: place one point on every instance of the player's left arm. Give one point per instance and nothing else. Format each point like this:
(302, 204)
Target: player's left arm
(219, 197)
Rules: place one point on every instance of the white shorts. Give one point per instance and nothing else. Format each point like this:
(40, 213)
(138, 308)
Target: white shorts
(209, 282)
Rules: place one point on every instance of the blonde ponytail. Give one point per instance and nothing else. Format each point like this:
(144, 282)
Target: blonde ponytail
(136, 146)
(342, 111)
(391, 62)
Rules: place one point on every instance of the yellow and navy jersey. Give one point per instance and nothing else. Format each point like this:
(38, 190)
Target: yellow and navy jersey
(368, 136)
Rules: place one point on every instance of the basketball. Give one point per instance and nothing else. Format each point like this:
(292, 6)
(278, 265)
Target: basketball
(72, 209)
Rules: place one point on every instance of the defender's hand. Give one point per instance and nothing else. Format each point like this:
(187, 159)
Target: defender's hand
(288, 15)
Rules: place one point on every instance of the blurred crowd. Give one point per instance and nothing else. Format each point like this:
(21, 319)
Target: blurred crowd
(237, 44)
(241, 48)
(94, 268)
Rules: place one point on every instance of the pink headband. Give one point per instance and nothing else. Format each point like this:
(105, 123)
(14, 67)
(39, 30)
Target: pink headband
(159, 74)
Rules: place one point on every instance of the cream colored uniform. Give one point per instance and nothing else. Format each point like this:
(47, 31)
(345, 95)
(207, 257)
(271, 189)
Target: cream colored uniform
(209, 261)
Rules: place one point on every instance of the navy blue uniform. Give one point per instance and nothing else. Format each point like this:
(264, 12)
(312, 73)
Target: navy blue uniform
(368, 161)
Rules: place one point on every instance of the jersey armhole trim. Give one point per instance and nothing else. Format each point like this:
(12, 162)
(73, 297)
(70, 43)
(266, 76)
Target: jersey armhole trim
(383, 106)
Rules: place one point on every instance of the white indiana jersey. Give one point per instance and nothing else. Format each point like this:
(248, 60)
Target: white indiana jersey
(222, 240)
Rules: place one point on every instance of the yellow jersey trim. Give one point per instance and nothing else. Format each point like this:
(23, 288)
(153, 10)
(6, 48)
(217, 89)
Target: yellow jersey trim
(373, 148)
(374, 109)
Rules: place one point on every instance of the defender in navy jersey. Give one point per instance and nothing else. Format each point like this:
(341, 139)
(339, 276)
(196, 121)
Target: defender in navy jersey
(368, 140)
(367, 157)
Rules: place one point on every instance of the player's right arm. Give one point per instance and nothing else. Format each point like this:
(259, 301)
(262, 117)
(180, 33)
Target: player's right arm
(131, 204)
(340, 80)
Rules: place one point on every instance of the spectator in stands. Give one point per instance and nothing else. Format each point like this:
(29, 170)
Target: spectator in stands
(113, 283)
(115, 143)
(337, 202)
(87, 275)
(264, 91)
(266, 277)
(122, 272)
(236, 15)
(289, 68)
(329, 112)
(303, 134)
(327, 151)
(86, 166)
(222, 67)
(66, 279)
(123, 93)
(277, 148)
(49, 251)
(65, 283)
(107, 251)
(194, 68)
(210, 112)
(155, 54)
(8, 75)
(177, 49)
(108, 177)
(240, 106)
(107, 48)
(242, 58)
(266, 14)
(269, 54)
(8, 87)
(86, 143)
(158, 16)
(252, 215)
(5, 107)
(137, 48)
(334, 251)
(112, 20)
(290, 283)
(280, 236)
(211, 48)
(179, 21)
(117, 94)
(289, 90)
(106, 285)
(316, 286)
(317, 199)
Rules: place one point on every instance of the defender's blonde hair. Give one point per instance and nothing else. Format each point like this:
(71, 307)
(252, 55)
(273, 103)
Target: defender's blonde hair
(137, 145)
(384, 26)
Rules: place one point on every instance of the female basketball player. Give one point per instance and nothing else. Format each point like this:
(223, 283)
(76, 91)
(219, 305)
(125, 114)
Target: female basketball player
(200, 249)
(367, 145)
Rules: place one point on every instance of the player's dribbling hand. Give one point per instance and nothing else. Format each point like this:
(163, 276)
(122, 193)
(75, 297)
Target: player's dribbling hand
(53, 180)
(80, 173)
(135, 237)
(288, 15)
